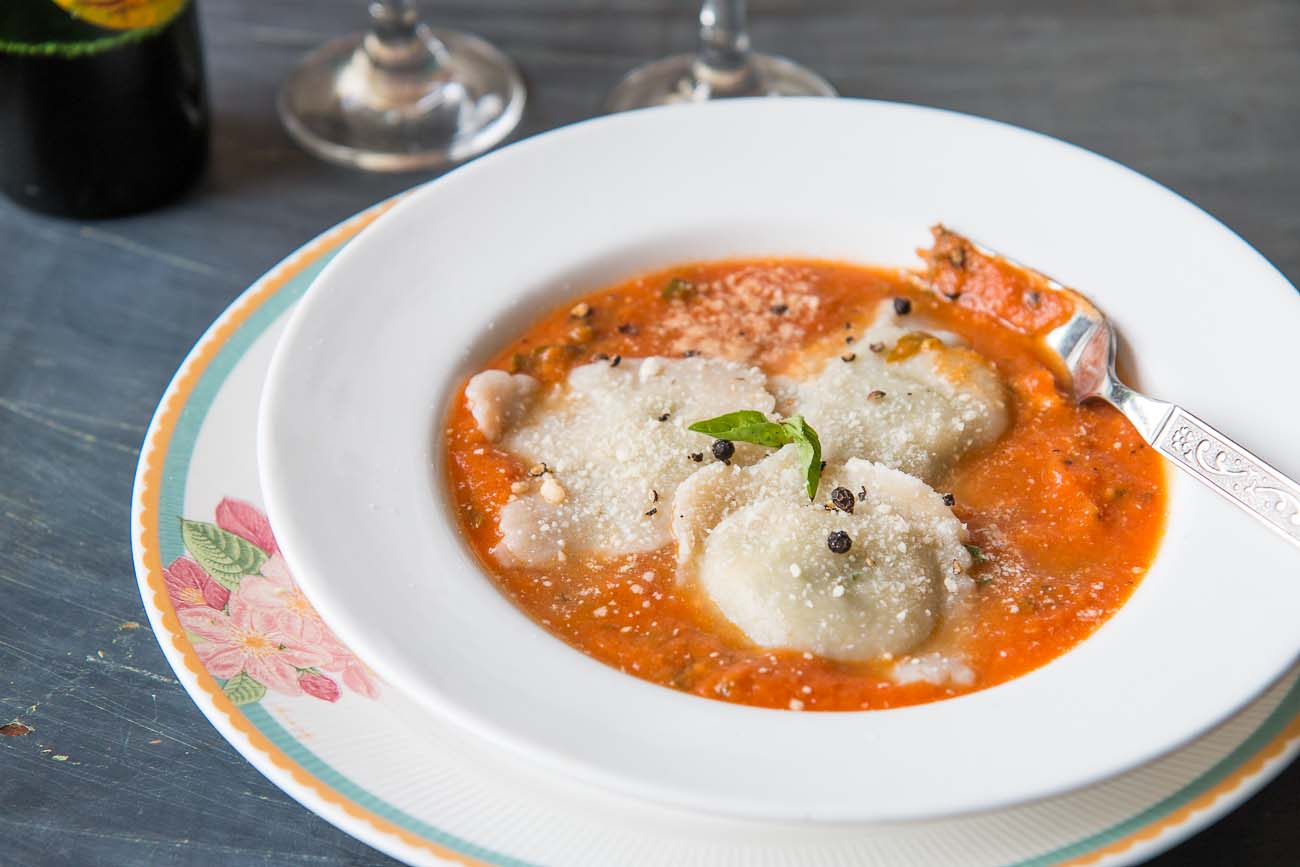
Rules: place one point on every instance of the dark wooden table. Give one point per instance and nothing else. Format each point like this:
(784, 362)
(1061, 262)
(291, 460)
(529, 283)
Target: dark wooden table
(121, 768)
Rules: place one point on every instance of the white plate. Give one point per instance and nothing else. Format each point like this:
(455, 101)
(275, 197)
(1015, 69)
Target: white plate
(372, 763)
(349, 450)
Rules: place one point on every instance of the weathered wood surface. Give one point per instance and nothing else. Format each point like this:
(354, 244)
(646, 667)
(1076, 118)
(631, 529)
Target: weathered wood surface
(121, 767)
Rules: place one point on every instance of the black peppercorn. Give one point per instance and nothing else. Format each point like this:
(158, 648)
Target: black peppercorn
(842, 498)
(902, 306)
(723, 450)
(949, 500)
(839, 542)
(780, 309)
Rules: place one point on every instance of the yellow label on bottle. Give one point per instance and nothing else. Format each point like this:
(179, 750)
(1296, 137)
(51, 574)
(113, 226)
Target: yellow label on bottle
(124, 14)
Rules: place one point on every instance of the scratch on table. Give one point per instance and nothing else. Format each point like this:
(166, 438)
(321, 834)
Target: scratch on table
(63, 412)
(121, 666)
(7, 578)
(29, 520)
(87, 438)
(20, 651)
(190, 845)
(124, 243)
(129, 715)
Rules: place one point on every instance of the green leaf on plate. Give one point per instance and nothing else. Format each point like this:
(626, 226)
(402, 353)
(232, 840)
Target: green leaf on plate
(977, 554)
(752, 426)
(242, 689)
(810, 450)
(724, 427)
(224, 556)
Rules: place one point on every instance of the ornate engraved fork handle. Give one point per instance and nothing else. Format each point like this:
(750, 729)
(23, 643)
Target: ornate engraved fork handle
(1231, 471)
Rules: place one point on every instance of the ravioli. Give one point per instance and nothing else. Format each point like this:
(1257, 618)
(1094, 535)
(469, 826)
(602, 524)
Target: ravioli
(610, 446)
(916, 404)
(714, 492)
(498, 400)
(769, 569)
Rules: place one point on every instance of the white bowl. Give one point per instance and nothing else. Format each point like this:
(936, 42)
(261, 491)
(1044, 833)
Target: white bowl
(350, 449)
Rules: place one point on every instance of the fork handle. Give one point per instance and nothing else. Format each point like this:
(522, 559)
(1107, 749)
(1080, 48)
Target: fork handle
(1231, 471)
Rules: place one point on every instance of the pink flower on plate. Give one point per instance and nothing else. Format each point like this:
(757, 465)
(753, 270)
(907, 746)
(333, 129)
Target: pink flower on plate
(274, 591)
(356, 676)
(191, 587)
(246, 521)
(251, 641)
(319, 685)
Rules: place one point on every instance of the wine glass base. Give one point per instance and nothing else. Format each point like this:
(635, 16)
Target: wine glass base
(472, 101)
(674, 80)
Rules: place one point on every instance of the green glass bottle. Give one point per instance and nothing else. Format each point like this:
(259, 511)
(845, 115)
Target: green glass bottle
(103, 109)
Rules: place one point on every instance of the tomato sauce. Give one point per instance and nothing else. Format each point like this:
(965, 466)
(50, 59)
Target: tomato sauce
(1067, 506)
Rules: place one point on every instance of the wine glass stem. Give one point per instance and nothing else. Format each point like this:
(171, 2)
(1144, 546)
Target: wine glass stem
(723, 60)
(398, 42)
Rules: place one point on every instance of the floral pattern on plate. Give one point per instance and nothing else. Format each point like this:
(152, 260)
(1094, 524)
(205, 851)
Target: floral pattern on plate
(251, 626)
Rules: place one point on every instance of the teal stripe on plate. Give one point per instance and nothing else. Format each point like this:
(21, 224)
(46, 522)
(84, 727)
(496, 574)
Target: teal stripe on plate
(294, 749)
(1281, 716)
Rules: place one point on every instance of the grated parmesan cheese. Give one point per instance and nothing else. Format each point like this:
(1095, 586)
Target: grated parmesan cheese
(918, 415)
(935, 668)
(601, 440)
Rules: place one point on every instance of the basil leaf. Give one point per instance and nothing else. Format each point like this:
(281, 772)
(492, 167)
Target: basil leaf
(977, 554)
(751, 426)
(768, 434)
(810, 450)
(724, 426)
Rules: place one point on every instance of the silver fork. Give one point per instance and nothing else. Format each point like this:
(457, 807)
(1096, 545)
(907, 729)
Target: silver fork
(1086, 347)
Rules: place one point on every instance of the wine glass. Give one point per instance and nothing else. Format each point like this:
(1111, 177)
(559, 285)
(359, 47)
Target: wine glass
(401, 96)
(722, 66)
